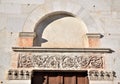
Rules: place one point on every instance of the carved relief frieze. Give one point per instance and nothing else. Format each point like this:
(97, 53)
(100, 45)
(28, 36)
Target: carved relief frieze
(102, 75)
(14, 74)
(25, 61)
(60, 61)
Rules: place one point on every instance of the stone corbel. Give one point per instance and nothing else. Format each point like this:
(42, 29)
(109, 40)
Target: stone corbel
(94, 39)
(26, 39)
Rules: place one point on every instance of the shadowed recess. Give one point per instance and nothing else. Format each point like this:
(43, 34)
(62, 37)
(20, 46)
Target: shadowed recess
(44, 22)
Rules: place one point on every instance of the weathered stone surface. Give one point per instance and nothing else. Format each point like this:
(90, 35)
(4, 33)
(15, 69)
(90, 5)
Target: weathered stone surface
(96, 75)
(70, 34)
(100, 16)
(60, 61)
(23, 2)
(14, 74)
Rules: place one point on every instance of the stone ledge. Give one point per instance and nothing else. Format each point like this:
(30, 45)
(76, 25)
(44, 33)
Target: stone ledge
(27, 34)
(79, 50)
(94, 35)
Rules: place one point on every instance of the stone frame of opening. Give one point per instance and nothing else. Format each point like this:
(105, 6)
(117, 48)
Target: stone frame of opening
(44, 75)
(45, 21)
(28, 39)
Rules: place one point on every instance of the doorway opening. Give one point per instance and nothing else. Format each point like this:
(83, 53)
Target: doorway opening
(59, 77)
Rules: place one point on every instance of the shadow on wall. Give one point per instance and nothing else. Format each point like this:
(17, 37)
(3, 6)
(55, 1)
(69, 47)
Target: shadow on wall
(1, 82)
(42, 24)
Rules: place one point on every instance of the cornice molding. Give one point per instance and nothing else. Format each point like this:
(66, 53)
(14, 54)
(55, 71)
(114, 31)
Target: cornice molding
(94, 35)
(79, 50)
(27, 34)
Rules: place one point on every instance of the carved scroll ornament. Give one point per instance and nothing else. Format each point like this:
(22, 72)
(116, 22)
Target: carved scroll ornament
(58, 61)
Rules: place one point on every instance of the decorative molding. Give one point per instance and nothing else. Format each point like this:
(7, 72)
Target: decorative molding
(102, 75)
(60, 61)
(80, 50)
(94, 75)
(27, 34)
(94, 35)
(14, 74)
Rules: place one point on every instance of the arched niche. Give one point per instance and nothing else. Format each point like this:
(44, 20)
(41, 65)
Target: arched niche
(60, 29)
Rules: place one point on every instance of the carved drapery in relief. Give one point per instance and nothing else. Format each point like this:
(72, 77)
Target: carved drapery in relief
(60, 61)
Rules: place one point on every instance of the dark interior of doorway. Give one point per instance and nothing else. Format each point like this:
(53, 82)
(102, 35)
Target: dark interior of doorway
(59, 77)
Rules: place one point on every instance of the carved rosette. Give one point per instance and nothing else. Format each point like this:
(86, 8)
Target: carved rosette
(60, 61)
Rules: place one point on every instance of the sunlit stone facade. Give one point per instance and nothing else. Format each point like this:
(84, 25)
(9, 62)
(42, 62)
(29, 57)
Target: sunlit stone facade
(59, 35)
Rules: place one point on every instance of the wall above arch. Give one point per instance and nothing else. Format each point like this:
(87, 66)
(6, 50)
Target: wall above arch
(45, 11)
(70, 6)
(56, 30)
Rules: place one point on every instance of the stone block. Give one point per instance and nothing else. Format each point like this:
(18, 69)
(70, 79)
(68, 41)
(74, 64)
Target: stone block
(116, 5)
(26, 39)
(25, 42)
(23, 1)
(94, 39)
(15, 24)
(94, 42)
(10, 8)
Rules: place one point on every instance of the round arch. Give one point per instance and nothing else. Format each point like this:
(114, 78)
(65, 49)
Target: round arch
(44, 22)
(50, 18)
(39, 12)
